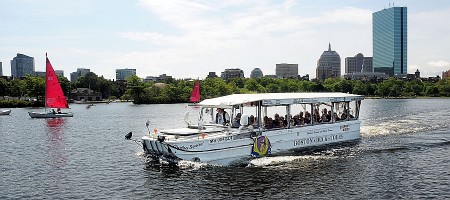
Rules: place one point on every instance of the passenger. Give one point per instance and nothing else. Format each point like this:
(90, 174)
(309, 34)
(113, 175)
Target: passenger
(324, 115)
(222, 117)
(269, 124)
(282, 122)
(301, 119)
(276, 121)
(53, 111)
(265, 120)
(307, 117)
(252, 121)
(316, 116)
(58, 110)
(285, 120)
(336, 117)
(329, 116)
(344, 115)
(295, 121)
(236, 121)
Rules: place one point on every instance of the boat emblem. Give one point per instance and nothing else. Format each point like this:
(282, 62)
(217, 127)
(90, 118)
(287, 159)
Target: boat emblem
(261, 146)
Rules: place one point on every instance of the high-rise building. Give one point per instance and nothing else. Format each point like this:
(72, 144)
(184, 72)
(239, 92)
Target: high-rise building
(79, 73)
(446, 74)
(390, 41)
(232, 73)
(212, 75)
(21, 65)
(59, 72)
(328, 65)
(122, 74)
(256, 73)
(285, 70)
(358, 63)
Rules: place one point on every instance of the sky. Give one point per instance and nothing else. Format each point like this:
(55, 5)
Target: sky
(188, 39)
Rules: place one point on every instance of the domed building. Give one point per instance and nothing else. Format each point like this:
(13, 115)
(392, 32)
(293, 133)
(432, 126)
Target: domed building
(256, 73)
(328, 65)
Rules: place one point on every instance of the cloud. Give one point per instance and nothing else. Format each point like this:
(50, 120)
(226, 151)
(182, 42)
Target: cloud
(214, 35)
(432, 68)
(427, 43)
(439, 63)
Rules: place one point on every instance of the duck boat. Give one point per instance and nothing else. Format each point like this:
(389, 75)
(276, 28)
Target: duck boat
(301, 120)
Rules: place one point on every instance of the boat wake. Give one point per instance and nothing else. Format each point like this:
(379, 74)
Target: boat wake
(405, 125)
(281, 160)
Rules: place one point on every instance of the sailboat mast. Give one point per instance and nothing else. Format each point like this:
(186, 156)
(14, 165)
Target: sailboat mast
(45, 97)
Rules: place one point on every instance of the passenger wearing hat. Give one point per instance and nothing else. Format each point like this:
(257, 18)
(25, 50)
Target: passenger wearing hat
(222, 117)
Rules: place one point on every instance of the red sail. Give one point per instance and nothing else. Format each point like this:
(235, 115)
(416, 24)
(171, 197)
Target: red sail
(54, 96)
(195, 96)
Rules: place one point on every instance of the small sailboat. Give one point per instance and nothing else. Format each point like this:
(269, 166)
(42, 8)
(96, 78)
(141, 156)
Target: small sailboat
(5, 112)
(195, 95)
(54, 96)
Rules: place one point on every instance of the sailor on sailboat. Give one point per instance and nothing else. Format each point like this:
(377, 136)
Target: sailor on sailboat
(54, 96)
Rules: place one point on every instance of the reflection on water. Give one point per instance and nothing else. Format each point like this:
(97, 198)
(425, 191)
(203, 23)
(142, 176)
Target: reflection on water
(55, 142)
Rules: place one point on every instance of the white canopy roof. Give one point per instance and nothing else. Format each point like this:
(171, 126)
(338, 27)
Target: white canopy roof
(273, 99)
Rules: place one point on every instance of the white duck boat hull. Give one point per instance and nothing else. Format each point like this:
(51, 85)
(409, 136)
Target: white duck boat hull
(227, 148)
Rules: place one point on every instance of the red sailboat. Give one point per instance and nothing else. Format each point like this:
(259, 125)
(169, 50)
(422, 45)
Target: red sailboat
(54, 96)
(195, 95)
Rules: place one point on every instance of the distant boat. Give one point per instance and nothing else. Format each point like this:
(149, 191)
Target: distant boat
(5, 112)
(195, 95)
(54, 96)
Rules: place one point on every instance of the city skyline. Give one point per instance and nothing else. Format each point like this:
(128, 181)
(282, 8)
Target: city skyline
(188, 39)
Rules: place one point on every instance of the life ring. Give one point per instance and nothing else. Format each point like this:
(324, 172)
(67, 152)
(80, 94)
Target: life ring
(261, 146)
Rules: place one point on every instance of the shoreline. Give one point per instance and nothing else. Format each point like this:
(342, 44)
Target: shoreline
(418, 97)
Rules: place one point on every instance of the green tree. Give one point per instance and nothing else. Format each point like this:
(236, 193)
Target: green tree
(35, 86)
(273, 88)
(66, 86)
(4, 87)
(432, 91)
(135, 88)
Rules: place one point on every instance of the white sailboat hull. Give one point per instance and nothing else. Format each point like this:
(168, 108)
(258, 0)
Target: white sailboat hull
(5, 112)
(49, 115)
(228, 147)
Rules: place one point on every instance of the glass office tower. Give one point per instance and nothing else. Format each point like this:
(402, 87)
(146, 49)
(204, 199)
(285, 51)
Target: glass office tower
(390, 41)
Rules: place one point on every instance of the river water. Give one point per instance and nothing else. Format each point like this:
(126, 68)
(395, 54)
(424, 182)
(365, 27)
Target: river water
(404, 153)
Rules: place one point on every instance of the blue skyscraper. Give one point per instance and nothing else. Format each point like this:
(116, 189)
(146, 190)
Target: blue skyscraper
(390, 41)
(21, 65)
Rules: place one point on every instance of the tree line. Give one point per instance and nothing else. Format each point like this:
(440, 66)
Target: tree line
(178, 91)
